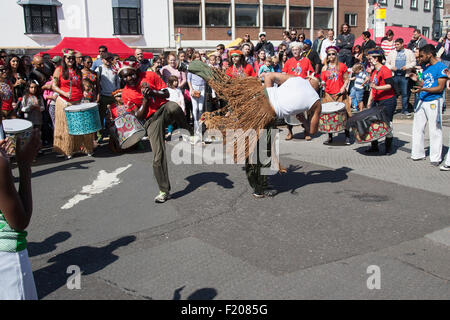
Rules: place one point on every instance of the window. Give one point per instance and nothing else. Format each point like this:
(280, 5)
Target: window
(351, 19)
(382, 2)
(414, 4)
(398, 3)
(247, 15)
(426, 31)
(127, 17)
(427, 5)
(217, 14)
(323, 18)
(274, 16)
(439, 3)
(187, 14)
(41, 19)
(299, 17)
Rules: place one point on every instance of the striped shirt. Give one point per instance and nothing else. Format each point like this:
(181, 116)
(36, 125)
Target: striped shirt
(387, 47)
(359, 79)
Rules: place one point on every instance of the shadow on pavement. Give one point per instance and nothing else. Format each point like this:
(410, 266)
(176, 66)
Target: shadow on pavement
(397, 144)
(89, 259)
(200, 294)
(200, 179)
(292, 180)
(48, 245)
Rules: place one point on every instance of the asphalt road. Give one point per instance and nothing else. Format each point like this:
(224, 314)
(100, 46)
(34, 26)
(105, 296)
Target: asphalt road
(212, 240)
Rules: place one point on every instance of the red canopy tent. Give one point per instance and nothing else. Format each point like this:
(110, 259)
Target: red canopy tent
(89, 47)
(399, 32)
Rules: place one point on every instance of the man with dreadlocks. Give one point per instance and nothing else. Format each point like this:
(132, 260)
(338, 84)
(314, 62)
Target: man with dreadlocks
(254, 107)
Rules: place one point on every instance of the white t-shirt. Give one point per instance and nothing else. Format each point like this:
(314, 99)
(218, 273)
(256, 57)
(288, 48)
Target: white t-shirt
(325, 44)
(294, 96)
(177, 96)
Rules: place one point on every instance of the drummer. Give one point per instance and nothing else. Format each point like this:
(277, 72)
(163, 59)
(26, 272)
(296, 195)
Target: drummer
(67, 82)
(149, 93)
(335, 78)
(382, 94)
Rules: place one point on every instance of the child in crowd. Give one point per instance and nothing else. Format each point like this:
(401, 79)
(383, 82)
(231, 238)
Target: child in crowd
(88, 91)
(50, 96)
(176, 96)
(360, 78)
(266, 67)
(33, 104)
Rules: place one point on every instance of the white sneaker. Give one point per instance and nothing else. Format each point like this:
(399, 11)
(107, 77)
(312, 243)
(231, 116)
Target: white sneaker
(445, 168)
(162, 197)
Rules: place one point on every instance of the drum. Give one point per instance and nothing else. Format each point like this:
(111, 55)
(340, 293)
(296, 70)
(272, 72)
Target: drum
(372, 122)
(129, 130)
(14, 128)
(83, 119)
(333, 117)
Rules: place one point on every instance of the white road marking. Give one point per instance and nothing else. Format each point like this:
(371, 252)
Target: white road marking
(104, 181)
(406, 134)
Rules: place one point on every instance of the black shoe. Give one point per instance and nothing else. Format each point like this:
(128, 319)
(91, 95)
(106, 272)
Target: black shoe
(388, 145)
(347, 141)
(327, 142)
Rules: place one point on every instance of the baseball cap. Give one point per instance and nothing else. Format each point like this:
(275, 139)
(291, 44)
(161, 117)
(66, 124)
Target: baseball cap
(56, 59)
(261, 34)
(307, 42)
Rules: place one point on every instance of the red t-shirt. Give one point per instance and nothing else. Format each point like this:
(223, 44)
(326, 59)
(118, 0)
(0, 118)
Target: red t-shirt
(379, 78)
(6, 95)
(72, 85)
(133, 95)
(246, 71)
(299, 67)
(334, 80)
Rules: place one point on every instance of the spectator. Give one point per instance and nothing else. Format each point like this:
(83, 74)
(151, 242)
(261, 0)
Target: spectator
(399, 61)
(312, 56)
(197, 93)
(249, 42)
(417, 41)
(444, 43)
(7, 95)
(367, 43)
(265, 45)
(360, 78)
(97, 63)
(3, 56)
(276, 63)
(175, 94)
(144, 64)
(286, 39)
(335, 78)
(189, 54)
(25, 61)
(357, 54)
(171, 70)
(108, 81)
(33, 104)
(387, 43)
(246, 50)
(293, 36)
(49, 66)
(79, 59)
(429, 108)
(238, 66)
(16, 75)
(281, 47)
(116, 63)
(327, 42)
(265, 68)
(260, 60)
(16, 208)
(344, 42)
(202, 53)
(317, 44)
(301, 37)
(38, 72)
(87, 74)
(157, 65)
(282, 57)
(220, 48)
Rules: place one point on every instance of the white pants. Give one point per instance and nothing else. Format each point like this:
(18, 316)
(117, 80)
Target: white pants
(447, 161)
(427, 112)
(197, 108)
(16, 277)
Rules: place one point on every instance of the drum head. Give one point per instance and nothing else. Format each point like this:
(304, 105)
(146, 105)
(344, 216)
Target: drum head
(292, 120)
(81, 107)
(133, 139)
(14, 126)
(330, 107)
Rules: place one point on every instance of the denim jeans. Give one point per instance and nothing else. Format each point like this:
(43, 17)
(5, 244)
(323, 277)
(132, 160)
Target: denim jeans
(402, 84)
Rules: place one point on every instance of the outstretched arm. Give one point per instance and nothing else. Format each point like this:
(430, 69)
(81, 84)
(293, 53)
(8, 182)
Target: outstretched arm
(271, 78)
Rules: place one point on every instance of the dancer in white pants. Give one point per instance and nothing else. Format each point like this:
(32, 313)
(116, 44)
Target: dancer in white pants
(446, 165)
(429, 107)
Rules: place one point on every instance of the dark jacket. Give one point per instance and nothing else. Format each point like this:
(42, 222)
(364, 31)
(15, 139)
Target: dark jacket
(413, 44)
(345, 43)
(266, 46)
(368, 45)
(444, 56)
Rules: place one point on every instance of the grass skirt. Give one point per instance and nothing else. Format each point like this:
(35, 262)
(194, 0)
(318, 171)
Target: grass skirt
(64, 143)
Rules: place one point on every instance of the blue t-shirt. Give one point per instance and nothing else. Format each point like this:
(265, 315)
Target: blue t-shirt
(430, 80)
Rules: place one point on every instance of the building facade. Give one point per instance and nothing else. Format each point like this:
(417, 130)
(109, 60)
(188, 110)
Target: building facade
(425, 15)
(446, 17)
(166, 24)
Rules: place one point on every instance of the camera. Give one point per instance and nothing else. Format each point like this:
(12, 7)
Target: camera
(182, 66)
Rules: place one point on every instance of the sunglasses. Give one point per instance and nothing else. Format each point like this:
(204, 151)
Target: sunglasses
(331, 54)
(3, 57)
(70, 58)
(2, 70)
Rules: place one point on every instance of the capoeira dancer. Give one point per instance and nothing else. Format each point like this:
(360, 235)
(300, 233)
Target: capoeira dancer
(254, 107)
(149, 93)
(429, 108)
